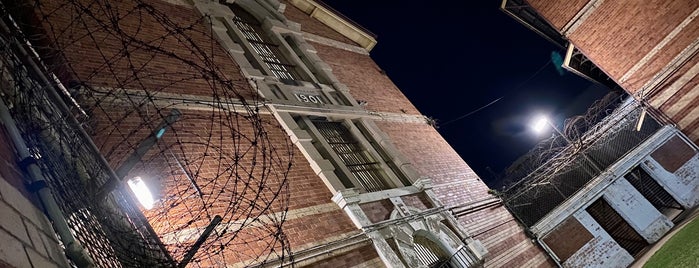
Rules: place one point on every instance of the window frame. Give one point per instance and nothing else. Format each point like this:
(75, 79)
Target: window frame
(286, 55)
(390, 179)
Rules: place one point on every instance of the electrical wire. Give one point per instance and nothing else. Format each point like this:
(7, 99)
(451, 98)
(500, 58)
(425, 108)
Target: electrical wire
(498, 99)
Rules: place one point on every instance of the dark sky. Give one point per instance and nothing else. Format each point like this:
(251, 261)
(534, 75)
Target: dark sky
(453, 57)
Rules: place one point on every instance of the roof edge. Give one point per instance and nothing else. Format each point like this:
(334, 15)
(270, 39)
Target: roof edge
(336, 21)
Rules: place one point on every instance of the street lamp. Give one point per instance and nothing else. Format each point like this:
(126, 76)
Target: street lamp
(141, 191)
(539, 125)
(541, 122)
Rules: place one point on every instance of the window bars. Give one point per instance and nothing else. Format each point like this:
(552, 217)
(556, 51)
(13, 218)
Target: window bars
(362, 165)
(269, 52)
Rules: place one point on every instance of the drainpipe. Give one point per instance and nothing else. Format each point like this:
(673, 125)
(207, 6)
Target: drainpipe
(74, 251)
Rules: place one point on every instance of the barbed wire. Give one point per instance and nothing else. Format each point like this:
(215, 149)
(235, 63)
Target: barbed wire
(559, 166)
(128, 66)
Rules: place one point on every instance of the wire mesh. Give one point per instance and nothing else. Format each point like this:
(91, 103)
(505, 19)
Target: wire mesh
(127, 65)
(554, 171)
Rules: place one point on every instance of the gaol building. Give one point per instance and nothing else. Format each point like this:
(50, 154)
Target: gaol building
(247, 133)
(627, 181)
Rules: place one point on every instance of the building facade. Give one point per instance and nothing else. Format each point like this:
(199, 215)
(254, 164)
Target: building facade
(648, 49)
(266, 134)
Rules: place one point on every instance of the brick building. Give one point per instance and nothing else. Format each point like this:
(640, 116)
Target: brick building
(272, 112)
(648, 49)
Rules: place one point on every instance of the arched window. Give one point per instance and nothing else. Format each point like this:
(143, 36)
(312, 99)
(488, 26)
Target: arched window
(432, 255)
(428, 252)
(263, 46)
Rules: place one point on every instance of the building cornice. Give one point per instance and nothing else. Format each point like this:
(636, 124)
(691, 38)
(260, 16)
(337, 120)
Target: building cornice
(336, 22)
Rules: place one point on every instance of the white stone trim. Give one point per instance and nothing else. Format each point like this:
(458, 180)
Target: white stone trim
(651, 86)
(659, 47)
(671, 90)
(175, 100)
(335, 22)
(596, 187)
(580, 17)
(349, 112)
(684, 104)
(334, 43)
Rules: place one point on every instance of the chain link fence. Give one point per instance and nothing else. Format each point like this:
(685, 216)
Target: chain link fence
(560, 166)
(114, 232)
(216, 168)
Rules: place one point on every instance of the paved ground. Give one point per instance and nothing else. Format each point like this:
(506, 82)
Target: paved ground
(643, 259)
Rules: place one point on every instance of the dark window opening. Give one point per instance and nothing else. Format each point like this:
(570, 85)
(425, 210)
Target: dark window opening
(263, 46)
(358, 161)
(617, 227)
(384, 155)
(654, 192)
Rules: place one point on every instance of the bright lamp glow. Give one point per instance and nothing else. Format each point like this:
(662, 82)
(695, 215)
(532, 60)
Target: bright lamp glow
(540, 124)
(140, 189)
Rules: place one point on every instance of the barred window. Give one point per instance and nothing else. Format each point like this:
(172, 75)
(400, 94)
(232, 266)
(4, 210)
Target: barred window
(427, 253)
(358, 161)
(263, 46)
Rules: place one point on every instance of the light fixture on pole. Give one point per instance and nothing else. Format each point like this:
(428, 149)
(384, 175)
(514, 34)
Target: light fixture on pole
(541, 122)
(141, 191)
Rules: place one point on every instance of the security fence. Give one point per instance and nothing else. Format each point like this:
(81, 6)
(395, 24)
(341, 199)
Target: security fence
(114, 232)
(224, 190)
(561, 166)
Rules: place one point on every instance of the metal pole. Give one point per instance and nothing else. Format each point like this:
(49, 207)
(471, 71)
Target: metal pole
(193, 250)
(73, 249)
(137, 154)
(592, 162)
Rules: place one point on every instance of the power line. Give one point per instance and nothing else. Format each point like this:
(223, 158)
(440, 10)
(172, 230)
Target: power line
(472, 112)
(498, 99)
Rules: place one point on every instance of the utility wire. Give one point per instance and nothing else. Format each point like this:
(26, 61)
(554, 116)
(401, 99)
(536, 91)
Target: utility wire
(498, 99)
(472, 112)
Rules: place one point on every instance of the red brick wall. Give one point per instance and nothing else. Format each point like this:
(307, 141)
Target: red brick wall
(568, 238)
(671, 103)
(140, 52)
(419, 201)
(681, 106)
(355, 257)
(174, 70)
(365, 80)
(455, 184)
(618, 34)
(433, 157)
(664, 57)
(211, 163)
(378, 211)
(555, 12)
(312, 25)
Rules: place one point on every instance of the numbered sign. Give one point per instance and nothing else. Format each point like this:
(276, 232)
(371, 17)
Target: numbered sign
(308, 98)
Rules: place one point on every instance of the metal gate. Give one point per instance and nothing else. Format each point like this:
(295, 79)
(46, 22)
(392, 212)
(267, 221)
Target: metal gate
(617, 227)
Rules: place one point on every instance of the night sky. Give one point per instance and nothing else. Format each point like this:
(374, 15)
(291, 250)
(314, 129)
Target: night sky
(451, 58)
